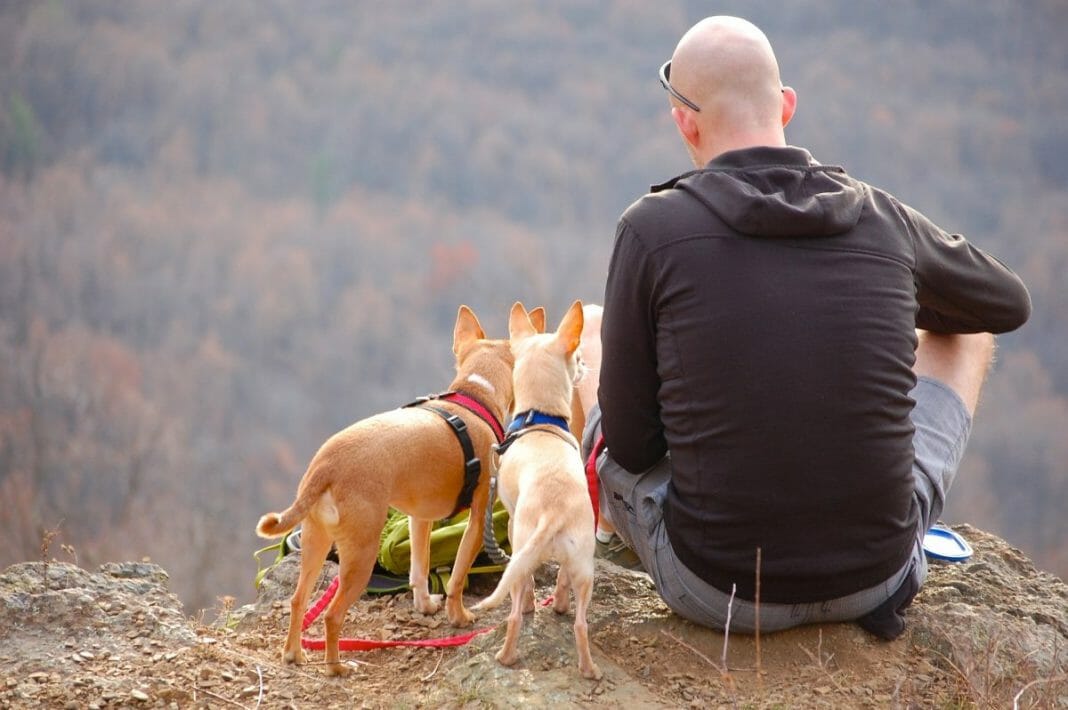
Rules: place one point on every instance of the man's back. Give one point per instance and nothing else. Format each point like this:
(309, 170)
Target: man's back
(762, 313)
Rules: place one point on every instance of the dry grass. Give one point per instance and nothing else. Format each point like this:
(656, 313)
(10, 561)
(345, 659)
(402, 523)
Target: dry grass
(994, 670)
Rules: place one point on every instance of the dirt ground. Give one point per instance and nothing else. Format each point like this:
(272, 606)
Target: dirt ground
(979, 635)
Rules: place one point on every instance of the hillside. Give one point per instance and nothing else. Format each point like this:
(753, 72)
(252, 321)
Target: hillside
(989, 633)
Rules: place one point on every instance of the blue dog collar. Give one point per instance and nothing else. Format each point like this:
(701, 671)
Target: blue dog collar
(532, 417)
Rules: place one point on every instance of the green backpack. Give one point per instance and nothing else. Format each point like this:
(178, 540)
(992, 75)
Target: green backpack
(390, 574)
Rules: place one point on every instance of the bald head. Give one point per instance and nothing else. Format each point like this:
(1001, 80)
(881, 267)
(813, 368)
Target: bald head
(727, 67)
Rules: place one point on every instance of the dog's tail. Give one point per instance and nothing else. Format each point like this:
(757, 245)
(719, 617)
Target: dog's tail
(524, 562)
(278, 524)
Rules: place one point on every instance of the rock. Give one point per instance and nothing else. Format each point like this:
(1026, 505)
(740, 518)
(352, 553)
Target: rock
(275, 590)
(978, 634)
(59, 595)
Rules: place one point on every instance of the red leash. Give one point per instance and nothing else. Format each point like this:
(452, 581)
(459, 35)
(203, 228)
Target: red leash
(591, 479)
(369, 644)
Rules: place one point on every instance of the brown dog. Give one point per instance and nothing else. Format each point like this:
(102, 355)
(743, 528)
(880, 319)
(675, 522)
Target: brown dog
(542, 483)
(410, 459)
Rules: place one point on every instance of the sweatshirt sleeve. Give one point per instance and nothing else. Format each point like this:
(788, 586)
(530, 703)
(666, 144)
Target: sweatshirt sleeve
(959, 287)
(630, 413)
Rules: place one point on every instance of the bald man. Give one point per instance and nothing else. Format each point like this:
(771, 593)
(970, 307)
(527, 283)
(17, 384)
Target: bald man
(791, 362)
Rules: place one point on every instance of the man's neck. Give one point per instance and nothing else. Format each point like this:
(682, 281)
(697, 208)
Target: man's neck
(737, 142)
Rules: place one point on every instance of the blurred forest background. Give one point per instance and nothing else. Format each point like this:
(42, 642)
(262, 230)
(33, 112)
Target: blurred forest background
(228, 229)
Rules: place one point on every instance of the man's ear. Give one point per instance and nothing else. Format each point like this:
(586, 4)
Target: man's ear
(789, 104)
(519, 325)
(686, 122)
(467, 329)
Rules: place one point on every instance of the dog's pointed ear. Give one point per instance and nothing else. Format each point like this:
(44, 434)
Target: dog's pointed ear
(467, 329)
(519, 325)
(570, 331)
(537, 318)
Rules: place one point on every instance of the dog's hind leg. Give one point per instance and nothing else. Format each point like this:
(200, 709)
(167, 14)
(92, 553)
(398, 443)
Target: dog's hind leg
(315, 544)
(419, 567)
(561, 595)
(357, 548)
(529, 603)
(583, 595)
(509, 653)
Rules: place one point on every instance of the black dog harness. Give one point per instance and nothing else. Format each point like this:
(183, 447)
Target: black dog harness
(472, 464)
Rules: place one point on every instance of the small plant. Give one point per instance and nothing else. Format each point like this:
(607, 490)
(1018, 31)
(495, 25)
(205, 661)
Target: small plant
(226, 607)
(47, 538)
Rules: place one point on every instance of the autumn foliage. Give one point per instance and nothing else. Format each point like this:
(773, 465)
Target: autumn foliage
(229, 229)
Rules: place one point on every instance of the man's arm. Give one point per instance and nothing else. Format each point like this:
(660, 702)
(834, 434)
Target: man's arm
(960, 288)
(629, 383)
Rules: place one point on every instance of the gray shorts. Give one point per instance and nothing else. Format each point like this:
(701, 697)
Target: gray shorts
(635, 505)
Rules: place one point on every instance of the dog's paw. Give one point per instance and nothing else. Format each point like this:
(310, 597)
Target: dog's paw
(593, 672)
(507, 659)
(428, 604)
(460, 617)
(294, 657)
(338, 670)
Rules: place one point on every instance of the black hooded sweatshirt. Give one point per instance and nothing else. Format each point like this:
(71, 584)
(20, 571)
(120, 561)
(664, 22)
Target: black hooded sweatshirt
(759, 324)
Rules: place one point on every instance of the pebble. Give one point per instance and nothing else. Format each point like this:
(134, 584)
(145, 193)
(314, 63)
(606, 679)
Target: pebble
(139, 695)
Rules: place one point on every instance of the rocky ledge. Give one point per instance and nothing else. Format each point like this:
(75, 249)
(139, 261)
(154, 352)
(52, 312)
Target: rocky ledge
(991, 632)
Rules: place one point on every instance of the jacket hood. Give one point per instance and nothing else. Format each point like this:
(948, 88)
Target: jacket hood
(775, 192)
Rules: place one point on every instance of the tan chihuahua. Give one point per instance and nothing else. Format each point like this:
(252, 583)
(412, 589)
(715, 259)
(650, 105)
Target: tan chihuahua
(542, 484)
(411, 459)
